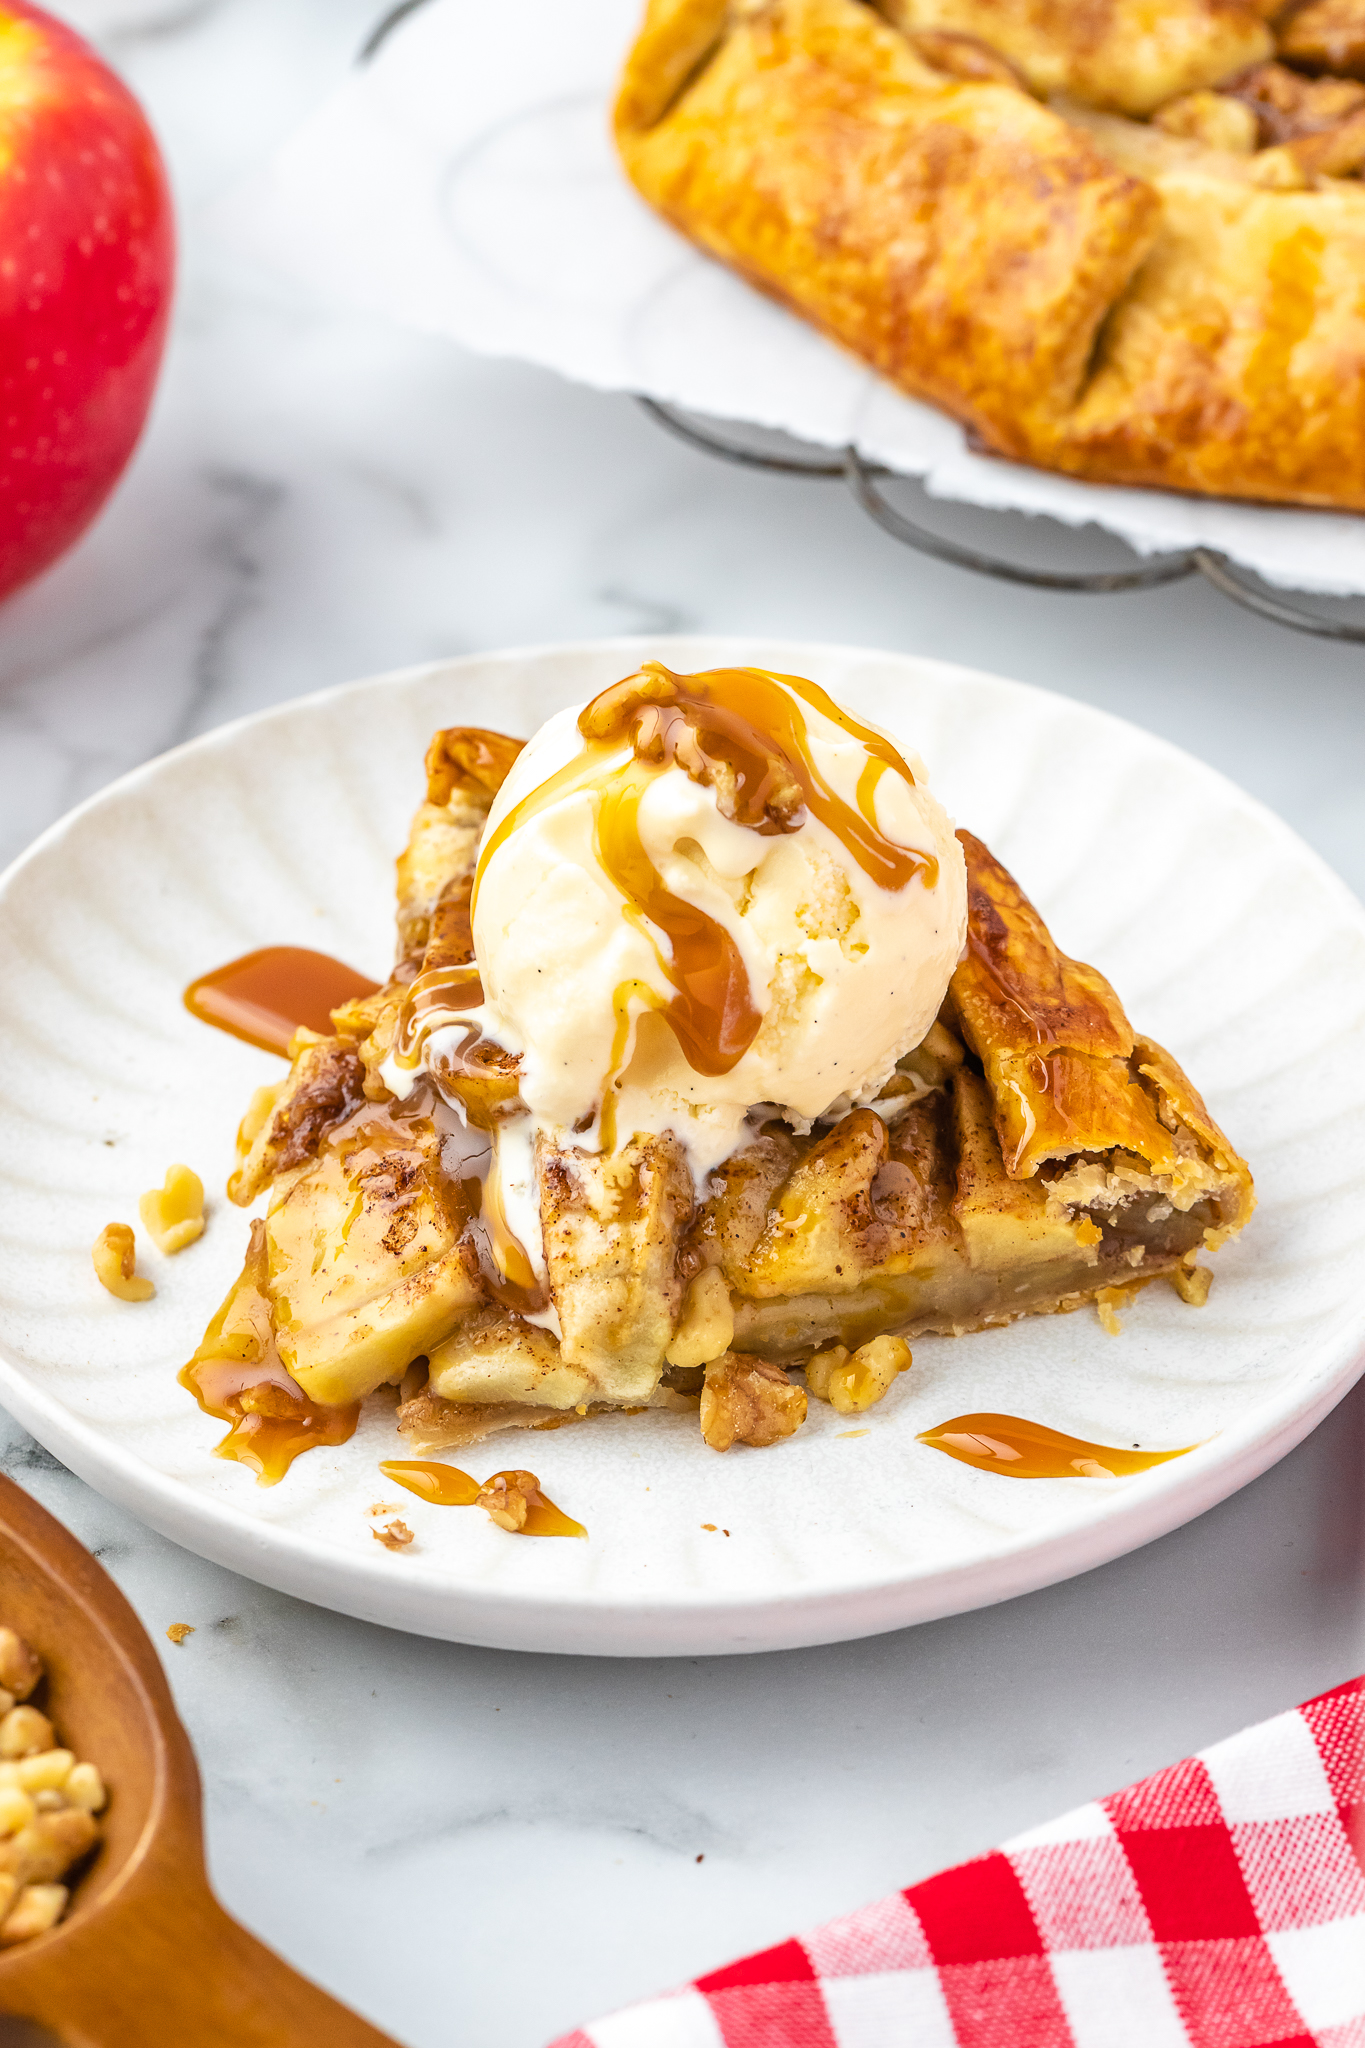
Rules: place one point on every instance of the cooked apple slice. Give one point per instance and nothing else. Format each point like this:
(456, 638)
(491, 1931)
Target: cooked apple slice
(366, 1270)
(497, 1357)
(611, 1223)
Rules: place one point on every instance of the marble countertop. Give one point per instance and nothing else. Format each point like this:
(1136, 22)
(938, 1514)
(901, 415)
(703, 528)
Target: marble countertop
(471, 1845)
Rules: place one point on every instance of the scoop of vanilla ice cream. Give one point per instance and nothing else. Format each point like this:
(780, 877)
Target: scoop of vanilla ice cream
(847, 975)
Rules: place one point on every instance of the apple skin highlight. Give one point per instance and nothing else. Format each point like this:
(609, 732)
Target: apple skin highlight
(87, 261)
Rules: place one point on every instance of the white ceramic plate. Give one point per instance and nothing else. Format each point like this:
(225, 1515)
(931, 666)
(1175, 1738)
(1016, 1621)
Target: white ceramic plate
(1226, 937)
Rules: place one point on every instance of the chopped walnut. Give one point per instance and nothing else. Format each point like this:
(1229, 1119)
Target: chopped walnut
(115, 1255)
(851, 1384)
(173, 1214)
(508, 1498)
(48, 1803)
(20, 1669)
(394, 1535)
(748, 1401)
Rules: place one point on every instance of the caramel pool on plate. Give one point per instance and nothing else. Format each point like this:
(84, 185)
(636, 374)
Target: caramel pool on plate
(265, 996)
(1019, 1449)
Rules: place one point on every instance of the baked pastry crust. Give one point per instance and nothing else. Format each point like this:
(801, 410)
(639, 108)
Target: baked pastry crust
(1172, 304)
(1034, 1153)
(1122, 54)
(956, 235)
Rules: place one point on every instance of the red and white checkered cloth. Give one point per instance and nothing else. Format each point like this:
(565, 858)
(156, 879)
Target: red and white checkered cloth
(1218, 1904)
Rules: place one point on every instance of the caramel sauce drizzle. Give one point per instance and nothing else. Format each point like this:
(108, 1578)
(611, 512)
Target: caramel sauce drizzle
(265, 996)
(741, 732)
(437, 996)
(504, 1264)
(448, 982)
(445, 1486)
(1019, 1449)
(237, 1375)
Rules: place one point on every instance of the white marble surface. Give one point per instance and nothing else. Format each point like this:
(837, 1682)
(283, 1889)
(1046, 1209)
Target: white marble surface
(470, 1845)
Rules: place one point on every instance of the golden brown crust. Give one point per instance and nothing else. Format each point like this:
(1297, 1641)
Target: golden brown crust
(1235, 365)
(471, 760)
(1015, 991)
(1066, 1074)
(1179, 1102)
(430, 1423)
(466, 766)
(1125, 54)
(959, 237)
(1089, 294)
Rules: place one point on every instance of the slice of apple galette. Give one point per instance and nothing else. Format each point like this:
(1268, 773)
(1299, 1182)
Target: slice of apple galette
(712, 1054)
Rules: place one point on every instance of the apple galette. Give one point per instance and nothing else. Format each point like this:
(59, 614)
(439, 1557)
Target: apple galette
(712, 1055)
(1117, 240)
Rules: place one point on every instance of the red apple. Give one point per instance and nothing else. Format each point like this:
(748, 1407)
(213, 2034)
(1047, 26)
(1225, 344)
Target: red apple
(87, 255)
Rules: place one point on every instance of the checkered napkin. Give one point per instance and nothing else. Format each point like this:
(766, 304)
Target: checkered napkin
(1218, 1904)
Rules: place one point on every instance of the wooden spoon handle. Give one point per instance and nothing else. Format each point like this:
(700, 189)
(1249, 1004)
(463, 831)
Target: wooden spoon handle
(193, 1976)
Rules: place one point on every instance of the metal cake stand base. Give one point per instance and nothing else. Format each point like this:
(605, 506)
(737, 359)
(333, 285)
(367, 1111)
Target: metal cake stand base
(861, 477)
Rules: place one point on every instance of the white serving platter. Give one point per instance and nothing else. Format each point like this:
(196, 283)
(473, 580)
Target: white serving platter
(1228, 939)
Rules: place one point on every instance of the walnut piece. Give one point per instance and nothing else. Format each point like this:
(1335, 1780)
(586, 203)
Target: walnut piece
(48, 1803)
(748, 1401)
(852, 1383)
(173, 1214)
(20, 1669)
(394, 1535)
(114, 1253)
(508, 1498)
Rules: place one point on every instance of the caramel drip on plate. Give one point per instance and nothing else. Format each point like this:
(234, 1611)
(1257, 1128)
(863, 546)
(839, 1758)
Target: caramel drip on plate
(265, 996)
(237, 1375)
(1030, 1450)
(445, 1486)
(543, 1518)
(743, 733)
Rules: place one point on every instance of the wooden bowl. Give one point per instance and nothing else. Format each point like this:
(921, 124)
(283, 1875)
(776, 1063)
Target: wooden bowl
(145, 1956)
